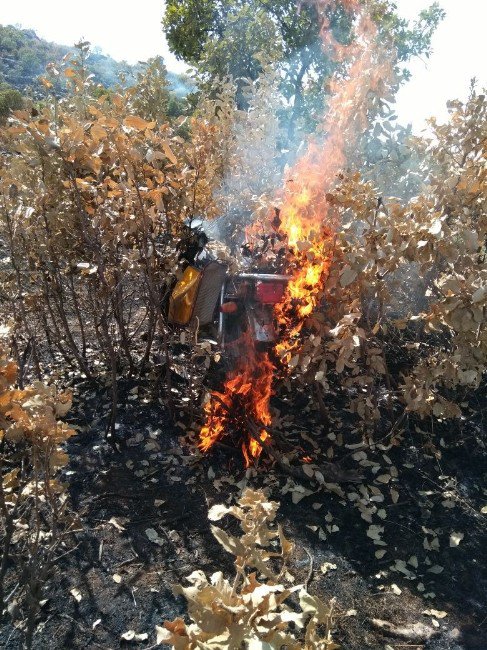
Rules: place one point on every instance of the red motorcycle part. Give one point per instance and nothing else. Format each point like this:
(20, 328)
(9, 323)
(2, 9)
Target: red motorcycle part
(269, 293)
(229, 307)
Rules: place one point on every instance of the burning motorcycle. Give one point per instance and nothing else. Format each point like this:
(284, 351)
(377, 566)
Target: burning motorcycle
(239, 307)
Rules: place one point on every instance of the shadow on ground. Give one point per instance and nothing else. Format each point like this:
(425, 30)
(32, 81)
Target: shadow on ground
(145, 528)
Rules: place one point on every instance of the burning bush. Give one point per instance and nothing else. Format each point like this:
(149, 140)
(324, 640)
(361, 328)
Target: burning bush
(438, 239)
(348, 251)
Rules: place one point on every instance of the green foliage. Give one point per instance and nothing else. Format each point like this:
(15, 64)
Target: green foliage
(10, 100)
(24, 57)
(237, 37)
(388, 158)
(408, 40)
(188, 27)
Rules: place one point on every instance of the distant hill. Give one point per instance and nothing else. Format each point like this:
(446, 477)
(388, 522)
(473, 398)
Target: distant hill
(24, 56)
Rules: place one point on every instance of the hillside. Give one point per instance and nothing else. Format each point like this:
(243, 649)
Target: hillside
(24, 56)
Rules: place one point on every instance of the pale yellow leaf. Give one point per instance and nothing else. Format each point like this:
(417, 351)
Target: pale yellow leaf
(137, 123)
(169, 152)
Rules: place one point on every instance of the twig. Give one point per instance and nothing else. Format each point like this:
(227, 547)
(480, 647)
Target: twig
(322, 406)
(84, 629)
(310, 572)
(106, 495)
(129, 561)
(270, 430)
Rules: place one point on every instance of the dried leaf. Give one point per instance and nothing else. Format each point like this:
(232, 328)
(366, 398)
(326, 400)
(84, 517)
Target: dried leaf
(456, 538)
(435, 612)
(327, 566)
(115, 523)
(76, 594)
(131, 635)
(347, 276)
(229, 543)
(154, 536)
(135, 122)
(169, 153)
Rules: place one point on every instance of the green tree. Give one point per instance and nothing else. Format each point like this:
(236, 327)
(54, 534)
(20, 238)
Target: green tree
(236, 37)
(10, 100)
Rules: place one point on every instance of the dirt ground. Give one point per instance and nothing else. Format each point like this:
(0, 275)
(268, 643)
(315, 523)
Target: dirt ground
(157, 483)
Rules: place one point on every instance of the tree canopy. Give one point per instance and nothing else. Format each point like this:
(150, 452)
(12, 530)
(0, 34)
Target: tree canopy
(237, 37)
(10, 100)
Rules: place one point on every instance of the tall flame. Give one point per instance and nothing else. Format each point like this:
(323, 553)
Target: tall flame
(307, 218)
(308, 225)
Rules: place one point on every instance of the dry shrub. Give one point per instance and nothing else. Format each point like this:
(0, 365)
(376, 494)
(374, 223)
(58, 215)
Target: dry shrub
(35, 522)
(260, 607)
(437, 243)
(92, 204)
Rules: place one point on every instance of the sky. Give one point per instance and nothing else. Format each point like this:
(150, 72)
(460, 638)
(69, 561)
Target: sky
(135, 34)
(459, 53)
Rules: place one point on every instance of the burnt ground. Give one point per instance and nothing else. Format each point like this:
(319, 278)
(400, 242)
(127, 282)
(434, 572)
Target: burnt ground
(158, 483)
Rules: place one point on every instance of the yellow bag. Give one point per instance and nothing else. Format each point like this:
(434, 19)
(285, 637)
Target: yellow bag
(183, 296)
(195, 296)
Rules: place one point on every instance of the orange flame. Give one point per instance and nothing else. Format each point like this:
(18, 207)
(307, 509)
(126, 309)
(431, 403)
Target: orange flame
(308, 224)
(307, 219)
(243, 405)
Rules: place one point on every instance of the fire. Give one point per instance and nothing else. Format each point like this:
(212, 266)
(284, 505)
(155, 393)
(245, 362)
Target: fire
(303, 295)
(307, 218)
(307, 224)
(242, 406)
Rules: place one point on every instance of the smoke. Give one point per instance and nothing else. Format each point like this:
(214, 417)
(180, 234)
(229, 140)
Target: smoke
(267, 149)
(180, 85)
(255, 159)
(306, 220)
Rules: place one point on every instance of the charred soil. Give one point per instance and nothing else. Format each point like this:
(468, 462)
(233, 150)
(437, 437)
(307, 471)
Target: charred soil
(145, 527)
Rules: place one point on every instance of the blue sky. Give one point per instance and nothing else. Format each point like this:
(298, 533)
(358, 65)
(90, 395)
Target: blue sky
(460, 50)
